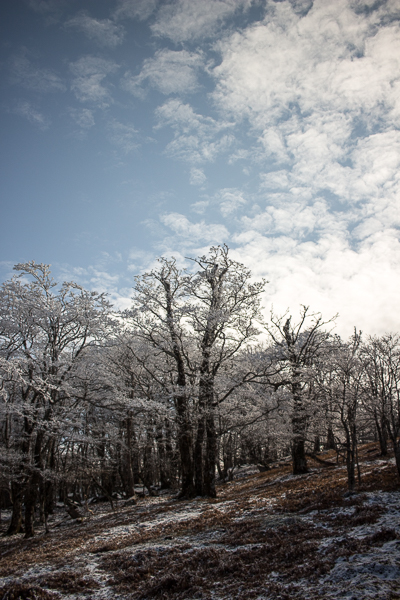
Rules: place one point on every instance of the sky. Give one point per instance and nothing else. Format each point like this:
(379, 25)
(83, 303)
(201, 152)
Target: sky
(133, 129)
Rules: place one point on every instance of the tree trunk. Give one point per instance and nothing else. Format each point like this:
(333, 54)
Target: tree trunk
(330, 439)
(351, 457)
(30, 501)
(16, 517)
(130, 484)
(396, 446)
(298, 427)
(298, 444)
(382, 436)
(299, 457)
(185, 450)
(210, 457)
(198, 456)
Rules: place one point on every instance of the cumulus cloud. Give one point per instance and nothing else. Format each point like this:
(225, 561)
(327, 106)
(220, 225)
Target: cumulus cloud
(104, 32)
(197, 139)
(89, 75)
(169, 71)
(183, 20)
(197, 176)
(230, 200)
(211, 233)
(331, 276)
(319, 86)
(200, 207)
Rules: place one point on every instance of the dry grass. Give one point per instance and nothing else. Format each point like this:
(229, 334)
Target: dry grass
(255, 538)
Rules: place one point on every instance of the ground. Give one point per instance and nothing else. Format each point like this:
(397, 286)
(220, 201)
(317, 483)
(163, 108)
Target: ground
(268, 535)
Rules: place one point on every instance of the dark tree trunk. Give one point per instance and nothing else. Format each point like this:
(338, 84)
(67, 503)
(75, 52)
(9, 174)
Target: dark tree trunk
(382, 436)
(351, 444)
(185, 434)
(298, 426)
(397, 456)
(227, 454)
(130, 484)
(164, 457)
(169, 453)
(330, 439)
(198, 456)
(298, 443)
(30, 502)
(299, 457)
(185, 450)
(210, 457)
(16, 516)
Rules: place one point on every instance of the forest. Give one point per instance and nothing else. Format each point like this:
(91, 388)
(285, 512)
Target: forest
(179, 391)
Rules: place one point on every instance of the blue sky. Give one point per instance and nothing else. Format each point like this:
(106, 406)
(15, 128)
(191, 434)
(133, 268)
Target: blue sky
(138, 128)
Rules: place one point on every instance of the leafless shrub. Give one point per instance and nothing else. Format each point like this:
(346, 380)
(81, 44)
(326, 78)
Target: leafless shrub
(26, 592)
(381, 537)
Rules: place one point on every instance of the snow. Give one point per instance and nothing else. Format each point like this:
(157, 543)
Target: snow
(163, 524)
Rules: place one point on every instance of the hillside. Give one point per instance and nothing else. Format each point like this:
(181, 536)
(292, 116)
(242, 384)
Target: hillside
(267, 535)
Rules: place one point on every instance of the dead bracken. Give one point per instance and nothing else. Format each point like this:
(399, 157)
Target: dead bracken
(268, 535)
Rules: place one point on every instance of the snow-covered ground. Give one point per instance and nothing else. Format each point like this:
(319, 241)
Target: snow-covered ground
(268, 535)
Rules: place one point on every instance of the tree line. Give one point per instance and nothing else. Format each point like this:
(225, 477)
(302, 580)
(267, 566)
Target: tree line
(178, 391)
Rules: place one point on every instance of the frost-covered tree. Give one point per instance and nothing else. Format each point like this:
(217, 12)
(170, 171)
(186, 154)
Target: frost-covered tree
(199, 320)
(297, 348)
(381, 362)
(44, 332)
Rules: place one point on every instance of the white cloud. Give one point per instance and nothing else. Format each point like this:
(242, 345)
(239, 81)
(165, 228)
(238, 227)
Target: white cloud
(332, 59)
(183, 20)
(88, 83)
(275, 180)
(171, 72)
(197, 139)
(124, 136)
(197, 176)
(230, 200)
(24, 73)
(330, 276)
(104, 32)
(195, 232)
(140, 260)
(82, 117)
(135, 9)
(200, 206)
(29, 112)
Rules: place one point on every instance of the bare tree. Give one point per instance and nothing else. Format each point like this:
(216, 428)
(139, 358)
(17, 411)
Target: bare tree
(297, 347)
(224, 314)
(199, 321)
(381, 359)
(346, 391)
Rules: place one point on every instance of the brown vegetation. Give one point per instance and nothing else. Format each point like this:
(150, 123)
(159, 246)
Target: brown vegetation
(262, 535)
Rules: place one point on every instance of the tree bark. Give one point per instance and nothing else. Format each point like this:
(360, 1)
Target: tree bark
(16, 516)
(298, 442)
(130, 484)
(198, 455)
(330, 439)
(30, 501)
(210, 457)
(382, 436)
